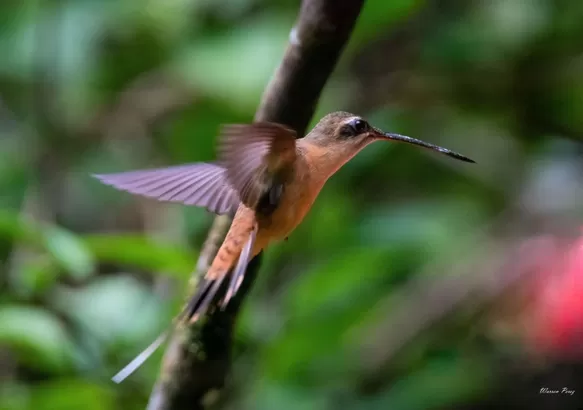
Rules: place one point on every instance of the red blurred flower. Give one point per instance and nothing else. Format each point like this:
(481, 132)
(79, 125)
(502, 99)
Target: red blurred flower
(555, 315)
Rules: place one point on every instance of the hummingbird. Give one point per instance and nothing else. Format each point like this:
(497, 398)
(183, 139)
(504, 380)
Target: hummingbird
(267, 178)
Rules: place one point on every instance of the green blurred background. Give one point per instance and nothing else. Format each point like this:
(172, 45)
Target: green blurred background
(89, 275)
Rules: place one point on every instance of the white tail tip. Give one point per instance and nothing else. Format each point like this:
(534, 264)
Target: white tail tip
(139, 359)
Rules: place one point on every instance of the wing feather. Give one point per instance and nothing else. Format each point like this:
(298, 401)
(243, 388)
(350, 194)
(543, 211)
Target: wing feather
(254, 155)
(201, 184)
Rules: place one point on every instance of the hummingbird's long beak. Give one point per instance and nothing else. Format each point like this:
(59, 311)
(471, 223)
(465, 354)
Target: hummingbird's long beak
(414, 141)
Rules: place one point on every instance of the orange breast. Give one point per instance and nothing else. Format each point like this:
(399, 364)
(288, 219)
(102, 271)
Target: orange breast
(296, 202)
(313, 166)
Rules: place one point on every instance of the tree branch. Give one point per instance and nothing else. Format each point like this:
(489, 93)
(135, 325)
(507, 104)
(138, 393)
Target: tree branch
(198, 358)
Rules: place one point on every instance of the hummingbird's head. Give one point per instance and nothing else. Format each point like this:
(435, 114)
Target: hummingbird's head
(346, 134)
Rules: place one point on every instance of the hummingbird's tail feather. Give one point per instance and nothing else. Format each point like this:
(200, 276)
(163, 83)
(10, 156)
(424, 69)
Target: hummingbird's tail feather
(202, 300)
(239, 271)
(243, 231)
(193, 304)
(236, 249)
(140, 359)
(196, 307)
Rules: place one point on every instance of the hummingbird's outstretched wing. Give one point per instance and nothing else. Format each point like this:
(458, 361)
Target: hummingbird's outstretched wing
(201, 184)
(258, 157)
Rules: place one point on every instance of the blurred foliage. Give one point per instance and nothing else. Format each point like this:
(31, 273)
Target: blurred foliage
(89, 275)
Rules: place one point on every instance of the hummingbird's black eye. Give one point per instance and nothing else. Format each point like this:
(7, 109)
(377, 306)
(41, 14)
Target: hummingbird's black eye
(353, 128)
(358, 126)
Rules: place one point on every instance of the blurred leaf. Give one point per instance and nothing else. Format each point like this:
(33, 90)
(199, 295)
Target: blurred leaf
(339, 284)
(78, 254)
(283, 397)
(378, 15)
(323, 305)
(69, 29)
(14, 396)
(432, 227)
(142, 252)
(566, 97)
(16, 147)
(440, 384)
(36, 336)
(13, 226)
(236, 66)
(114, 309)
(71, 252)
(71, 394)
(36, 274)
(514, 23)
(170, 19)
(192, 135)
